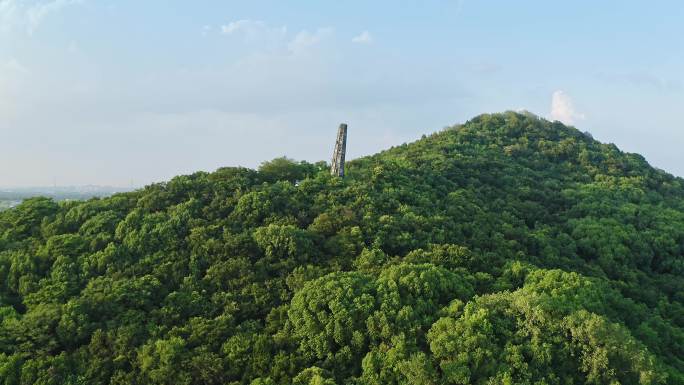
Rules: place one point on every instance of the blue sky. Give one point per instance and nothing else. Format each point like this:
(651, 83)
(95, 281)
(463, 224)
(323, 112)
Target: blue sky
(133, 92)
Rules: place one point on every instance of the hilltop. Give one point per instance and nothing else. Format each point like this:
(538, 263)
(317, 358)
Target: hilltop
(508, 249)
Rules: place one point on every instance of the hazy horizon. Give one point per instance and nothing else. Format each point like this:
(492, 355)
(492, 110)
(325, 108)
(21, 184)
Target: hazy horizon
(131, 186)
(128, 93)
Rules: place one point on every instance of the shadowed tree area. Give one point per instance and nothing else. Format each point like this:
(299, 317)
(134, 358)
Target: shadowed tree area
(507, 250)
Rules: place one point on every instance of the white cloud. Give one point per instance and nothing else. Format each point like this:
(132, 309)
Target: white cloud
(306, 39)
(38, 12)
(17, 13)
(12, 73)
(258, 32)
(563, 108)
(9, 11)
(13, 65)
(253, 31)
(364, 38)
(242, 25)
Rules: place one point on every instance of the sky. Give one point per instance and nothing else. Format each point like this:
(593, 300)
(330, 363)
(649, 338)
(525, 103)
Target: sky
(126, 93)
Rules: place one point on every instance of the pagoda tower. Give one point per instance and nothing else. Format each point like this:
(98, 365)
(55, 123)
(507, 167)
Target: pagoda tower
(337, 168)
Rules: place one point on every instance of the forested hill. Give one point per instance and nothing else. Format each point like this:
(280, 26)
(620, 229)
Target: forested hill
(505, 250)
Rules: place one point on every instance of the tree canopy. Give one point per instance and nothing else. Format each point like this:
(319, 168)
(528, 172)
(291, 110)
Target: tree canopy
(509, 249)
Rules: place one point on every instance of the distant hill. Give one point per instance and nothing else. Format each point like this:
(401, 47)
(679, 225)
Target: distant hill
(61, 192)
(10, 197)
(509, 249)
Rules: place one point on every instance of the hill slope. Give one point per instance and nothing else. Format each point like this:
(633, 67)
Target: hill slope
(506, 250)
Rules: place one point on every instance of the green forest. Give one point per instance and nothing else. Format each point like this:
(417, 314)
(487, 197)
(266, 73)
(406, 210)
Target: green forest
(506, 250)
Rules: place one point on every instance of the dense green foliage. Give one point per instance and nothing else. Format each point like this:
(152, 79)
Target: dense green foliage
(506, 250)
